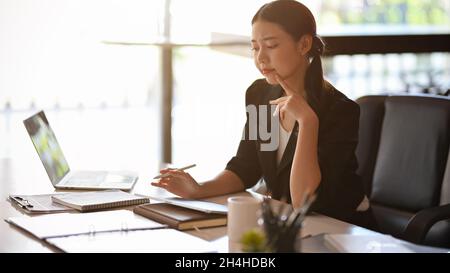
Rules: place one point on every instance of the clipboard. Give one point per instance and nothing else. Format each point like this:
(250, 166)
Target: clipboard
(40, 203)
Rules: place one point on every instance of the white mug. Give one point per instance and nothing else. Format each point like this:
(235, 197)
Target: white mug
(243, 214)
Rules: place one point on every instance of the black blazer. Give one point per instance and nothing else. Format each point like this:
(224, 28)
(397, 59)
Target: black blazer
(341, 190)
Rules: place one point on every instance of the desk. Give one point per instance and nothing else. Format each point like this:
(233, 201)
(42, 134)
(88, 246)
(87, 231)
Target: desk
(19, 176)
(13, 239)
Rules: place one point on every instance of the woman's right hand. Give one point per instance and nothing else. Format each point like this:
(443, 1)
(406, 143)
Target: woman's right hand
(179, 183)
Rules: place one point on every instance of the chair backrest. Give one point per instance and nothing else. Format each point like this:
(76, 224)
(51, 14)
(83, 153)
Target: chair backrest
(412, 153)
(403, 154)
(371, 120)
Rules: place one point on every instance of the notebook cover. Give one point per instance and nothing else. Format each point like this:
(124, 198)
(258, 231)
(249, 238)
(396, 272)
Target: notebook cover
(179, 217)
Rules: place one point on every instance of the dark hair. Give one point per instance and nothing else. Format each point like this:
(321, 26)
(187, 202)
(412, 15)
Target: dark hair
(297, 20)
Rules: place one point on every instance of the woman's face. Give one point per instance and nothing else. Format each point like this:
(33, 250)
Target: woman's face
(275, 51)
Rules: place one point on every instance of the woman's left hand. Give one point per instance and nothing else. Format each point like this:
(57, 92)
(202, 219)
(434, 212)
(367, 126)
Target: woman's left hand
(294, 105)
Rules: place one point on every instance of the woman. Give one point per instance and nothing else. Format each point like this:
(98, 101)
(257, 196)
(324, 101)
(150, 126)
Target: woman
(318, 124)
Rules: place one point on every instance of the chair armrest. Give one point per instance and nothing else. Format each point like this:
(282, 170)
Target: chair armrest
(419, 225)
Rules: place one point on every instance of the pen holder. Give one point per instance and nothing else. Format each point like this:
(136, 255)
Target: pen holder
(281, 227)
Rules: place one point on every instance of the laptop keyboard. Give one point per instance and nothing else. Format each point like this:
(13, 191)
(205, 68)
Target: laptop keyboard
(87, 179)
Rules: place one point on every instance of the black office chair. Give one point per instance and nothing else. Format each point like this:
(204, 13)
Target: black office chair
(403, 155)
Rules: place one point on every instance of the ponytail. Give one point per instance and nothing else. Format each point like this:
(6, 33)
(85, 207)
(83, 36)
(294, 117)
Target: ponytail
(314, 81)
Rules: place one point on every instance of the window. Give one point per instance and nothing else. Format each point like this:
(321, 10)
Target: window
(53, 53)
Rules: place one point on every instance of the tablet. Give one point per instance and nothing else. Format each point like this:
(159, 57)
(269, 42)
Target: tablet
(199, 205)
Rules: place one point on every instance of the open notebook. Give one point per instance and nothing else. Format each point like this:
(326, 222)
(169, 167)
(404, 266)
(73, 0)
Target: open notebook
(96, 200)
(67, 224)
(156, 240)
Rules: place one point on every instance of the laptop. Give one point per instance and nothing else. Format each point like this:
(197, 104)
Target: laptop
(57, 168)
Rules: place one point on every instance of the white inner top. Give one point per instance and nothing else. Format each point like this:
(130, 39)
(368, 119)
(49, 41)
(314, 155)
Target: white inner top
(283, 137)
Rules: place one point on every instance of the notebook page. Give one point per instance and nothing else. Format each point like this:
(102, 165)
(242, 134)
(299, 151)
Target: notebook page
(160, 241)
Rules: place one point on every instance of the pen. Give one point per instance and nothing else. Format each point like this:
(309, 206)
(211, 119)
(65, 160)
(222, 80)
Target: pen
(277, 111)
(180, 169)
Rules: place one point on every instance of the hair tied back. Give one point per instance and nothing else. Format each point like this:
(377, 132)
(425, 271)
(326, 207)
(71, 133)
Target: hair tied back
(317, 46)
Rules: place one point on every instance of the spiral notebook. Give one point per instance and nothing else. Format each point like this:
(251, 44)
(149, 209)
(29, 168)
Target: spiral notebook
(97, 200)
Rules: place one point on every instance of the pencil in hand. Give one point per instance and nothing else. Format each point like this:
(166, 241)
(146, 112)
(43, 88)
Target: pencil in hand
(179, 169)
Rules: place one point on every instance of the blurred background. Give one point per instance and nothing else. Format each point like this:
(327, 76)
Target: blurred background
(130, 84)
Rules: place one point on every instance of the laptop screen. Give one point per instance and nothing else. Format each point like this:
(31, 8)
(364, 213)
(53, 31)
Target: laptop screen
(44, 140)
